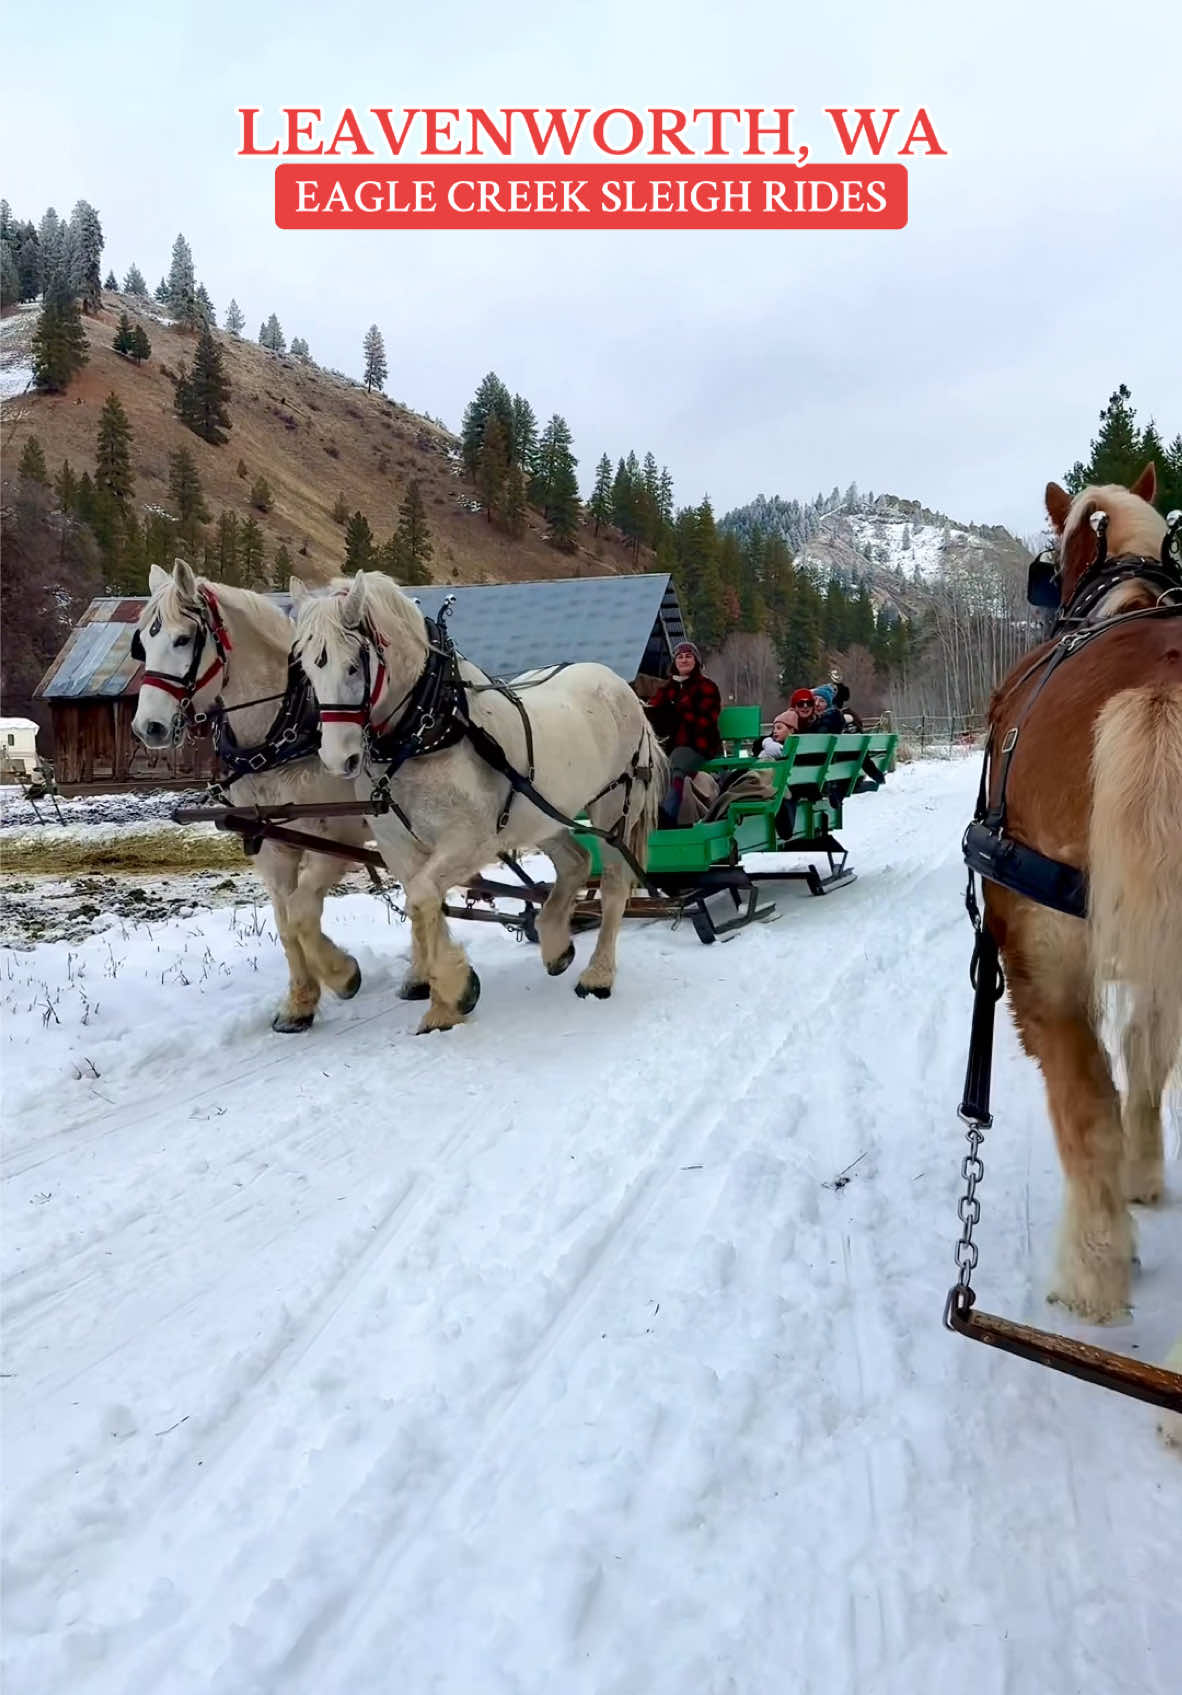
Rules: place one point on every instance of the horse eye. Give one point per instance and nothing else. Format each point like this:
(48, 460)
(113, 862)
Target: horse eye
(182, 641)
(322, 661)
(352, 670)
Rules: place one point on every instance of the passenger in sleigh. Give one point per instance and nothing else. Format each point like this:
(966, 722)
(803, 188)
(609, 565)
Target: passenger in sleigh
(771, 746)
(684, 713)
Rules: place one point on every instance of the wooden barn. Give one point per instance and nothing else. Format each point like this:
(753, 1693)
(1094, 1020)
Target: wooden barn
(630, 624)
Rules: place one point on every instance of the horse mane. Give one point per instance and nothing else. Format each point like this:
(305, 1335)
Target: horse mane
(392, 614)
(271, 623)
(1134, 527)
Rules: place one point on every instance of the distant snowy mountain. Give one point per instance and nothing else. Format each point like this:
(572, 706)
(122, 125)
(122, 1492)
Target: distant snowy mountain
(902, 549)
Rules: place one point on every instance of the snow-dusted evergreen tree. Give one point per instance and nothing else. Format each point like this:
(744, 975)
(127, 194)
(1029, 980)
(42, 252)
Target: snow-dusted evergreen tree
(10, 282)
(51, 236)
(111, 281)
(85, 249)
(133, 282)
(59, 341)
(299, 347)
(182, 285)
(271, 336)
(523, 438)
(205, 307)
(375, 358)
(235, 319)
(162, 291)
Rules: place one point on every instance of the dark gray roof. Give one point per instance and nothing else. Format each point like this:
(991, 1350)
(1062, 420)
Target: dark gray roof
(627, 623)
(510, 627)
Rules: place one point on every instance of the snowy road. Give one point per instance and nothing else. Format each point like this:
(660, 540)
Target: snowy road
(545, 1356)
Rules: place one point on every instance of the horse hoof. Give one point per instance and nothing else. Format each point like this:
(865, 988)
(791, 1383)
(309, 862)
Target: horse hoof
(470, 995)
(557, 966)
(288, 1023)
(352, 986)
(415, 992)
(600, 990)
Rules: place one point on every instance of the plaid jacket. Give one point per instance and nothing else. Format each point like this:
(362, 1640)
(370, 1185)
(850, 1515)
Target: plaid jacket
(686, 714)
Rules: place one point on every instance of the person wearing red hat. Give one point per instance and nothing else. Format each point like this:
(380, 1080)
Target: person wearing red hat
(684, 712)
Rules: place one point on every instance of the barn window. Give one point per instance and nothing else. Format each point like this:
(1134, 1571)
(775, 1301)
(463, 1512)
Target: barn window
(11, 739)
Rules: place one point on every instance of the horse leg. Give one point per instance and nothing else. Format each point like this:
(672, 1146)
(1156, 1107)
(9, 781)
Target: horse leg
(572, 864)
(1095, 1253)
(278, 867)
(335, 968)
(615, 885)
(1149, 1045)
(454, 986)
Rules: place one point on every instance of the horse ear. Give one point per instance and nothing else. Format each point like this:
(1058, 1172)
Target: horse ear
(157, 577)
(182, 576)
(297, 588)
(1058, 505)
(1146, 485)
(354, 602)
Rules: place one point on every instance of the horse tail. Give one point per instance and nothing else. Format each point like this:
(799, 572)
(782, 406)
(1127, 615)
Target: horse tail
(646, 818)
(1135, 847)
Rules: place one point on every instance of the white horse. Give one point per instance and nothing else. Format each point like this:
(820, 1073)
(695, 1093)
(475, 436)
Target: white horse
(579, 731)
(206, 643)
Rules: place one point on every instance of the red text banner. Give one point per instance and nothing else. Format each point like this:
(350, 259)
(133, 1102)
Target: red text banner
(593, 197)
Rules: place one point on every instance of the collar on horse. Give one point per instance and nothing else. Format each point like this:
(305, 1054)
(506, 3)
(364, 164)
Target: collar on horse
(294, 732)
(207, 617)
(1044, 578)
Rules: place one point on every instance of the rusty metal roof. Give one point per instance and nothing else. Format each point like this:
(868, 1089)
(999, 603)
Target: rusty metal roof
(627, 623)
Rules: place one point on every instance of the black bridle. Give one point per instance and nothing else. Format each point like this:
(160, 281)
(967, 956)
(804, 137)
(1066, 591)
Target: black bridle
(1044, 577)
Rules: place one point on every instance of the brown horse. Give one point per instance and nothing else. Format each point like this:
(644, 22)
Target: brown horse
(1095, 782)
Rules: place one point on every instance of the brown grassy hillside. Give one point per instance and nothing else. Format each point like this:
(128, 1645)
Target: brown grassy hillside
(312, 435)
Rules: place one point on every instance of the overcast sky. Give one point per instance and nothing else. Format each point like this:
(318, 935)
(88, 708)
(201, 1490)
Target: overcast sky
(961, 361)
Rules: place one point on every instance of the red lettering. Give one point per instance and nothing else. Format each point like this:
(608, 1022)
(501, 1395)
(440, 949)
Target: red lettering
(248, 148)
(557, 125)
(394, 142)
(599, 130)
(668, 124)
(865, 123)
(922, 129)
(716, 114)
(502, 143)
(780, 129)
(439, 123)
(348, 130)
(295, 130)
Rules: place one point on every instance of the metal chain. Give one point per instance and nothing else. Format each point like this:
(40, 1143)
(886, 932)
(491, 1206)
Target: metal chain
(972, 1169)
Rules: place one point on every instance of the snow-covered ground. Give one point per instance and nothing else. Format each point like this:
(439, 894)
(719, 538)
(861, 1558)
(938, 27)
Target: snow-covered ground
(16, 348)
(593, 1348)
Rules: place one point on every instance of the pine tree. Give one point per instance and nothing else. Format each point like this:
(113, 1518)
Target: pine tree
(599, 507)
(1170, 492)
(358, 543)
(299, 347)
(185, 493)
(227, 548)
(25, 248)
(85, 249)
(235, 320)
(515, 503)
(124, 336)
(1115, 449)
(202, 395)
(59, 342)
(564, 506)
(492, 396)
(375, 359)
(51, 240)
(665, 496)
(10, 281)
(271, 336)
(112, 454)
(133, 282)
(554, 477)
(524, 435)
(260, 495)
(412, 543)
(112, 282)
(66, 485)
(32, 468)
(250, 554)
(141, 347)
(283, 568)
(162, 291)
(492, 468)
(204, 307)
(182, 285)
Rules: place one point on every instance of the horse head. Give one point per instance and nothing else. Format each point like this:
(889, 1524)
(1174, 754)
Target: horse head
(1134, 527)
(182, 645)
(362, 647)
